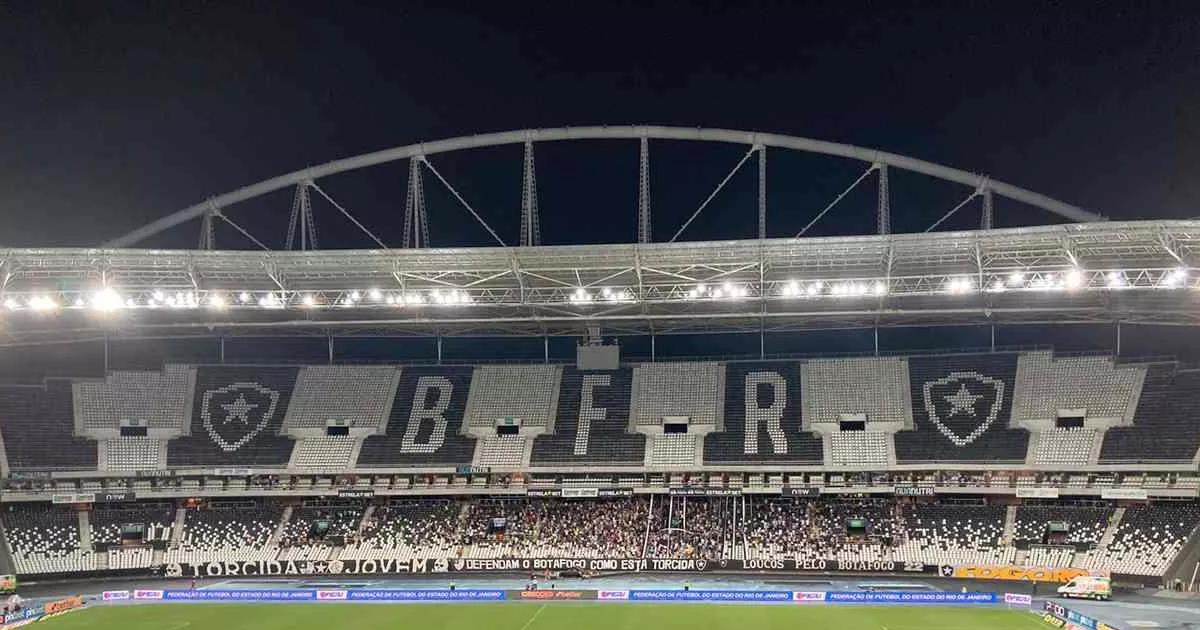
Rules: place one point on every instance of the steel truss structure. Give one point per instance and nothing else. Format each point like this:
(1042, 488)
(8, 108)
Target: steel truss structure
(1136, 272)
(1087, 272)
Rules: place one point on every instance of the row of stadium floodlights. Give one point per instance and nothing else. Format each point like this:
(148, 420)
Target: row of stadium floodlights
(109, 298)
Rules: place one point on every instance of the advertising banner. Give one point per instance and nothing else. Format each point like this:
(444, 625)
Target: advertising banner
(690, 491)
(800, 492)
(919, 597)
(808, 596)
(356, 493)
(382, 595)
(612, 595)
(383, 566)
(1009, 572)
(1130, 494)
(147, 594)
(1018, 599)
(115, 497)
(1081, 620)
(711, 596)
(1037, 493)
(551, 595)
(1062, 617)
(114, 596)
(74, 497)
(248, 595)
(580, 493)
(23, 616)
(914, 491)
(63, 605)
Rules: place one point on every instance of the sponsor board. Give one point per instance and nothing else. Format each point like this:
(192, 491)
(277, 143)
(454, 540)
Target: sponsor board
(711, 596)
(612, 595)
(63, 605)
(1008, 572)
(356, 493)
(808, 596)
(529, 565)
(23, 616)
(1018, 599)
(379, 595)
(77, 497)
(115, 497)
(901, 597)
(114, 596)
(1062, 617)
(550, 594)
(788, 491)
(1081, 620)
(706, 492)
(331, 595)
(1037, 493)
(1130, 494)
(914, 491)
(248, 595)
(147, 594)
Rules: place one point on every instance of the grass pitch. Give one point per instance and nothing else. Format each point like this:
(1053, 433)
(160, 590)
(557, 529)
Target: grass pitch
(534, 616)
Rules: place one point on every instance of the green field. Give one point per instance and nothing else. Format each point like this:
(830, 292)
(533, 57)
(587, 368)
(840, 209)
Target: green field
(533, 616)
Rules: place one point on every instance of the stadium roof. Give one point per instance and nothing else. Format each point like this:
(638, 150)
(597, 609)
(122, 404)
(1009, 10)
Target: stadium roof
(1136, 272)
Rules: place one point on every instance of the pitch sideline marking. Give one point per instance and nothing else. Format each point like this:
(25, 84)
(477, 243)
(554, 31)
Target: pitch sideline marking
(534, 616)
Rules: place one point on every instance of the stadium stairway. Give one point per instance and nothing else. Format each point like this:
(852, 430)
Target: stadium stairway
(7, 566)
(85, 530)
(1010, 524)
(1186, 565)
(366, 518)
(279, 529)
(1111, 531)
(177, 528)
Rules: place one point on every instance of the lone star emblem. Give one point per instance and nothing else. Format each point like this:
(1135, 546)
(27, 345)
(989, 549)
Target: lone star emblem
(963, 403)
(221, 420)
(239, 409)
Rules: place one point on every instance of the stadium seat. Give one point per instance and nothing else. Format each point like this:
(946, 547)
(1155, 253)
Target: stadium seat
(125, 454)
(157, 401)
(227, 531)
(527, 392)
(359, 395)
(1166, 424)
(876, 387)
(237, 413)
(1108, 393)
(961, 410)
(45, 539)
(38, 426)
(328, 453)
(762, 418)
(691, 390)
(1064, 447)
(424, 427)
(592, 421)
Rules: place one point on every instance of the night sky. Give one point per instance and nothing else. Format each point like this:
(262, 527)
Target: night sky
(116, 113)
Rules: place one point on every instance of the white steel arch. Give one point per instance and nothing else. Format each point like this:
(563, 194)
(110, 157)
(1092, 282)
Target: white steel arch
(979, 182)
